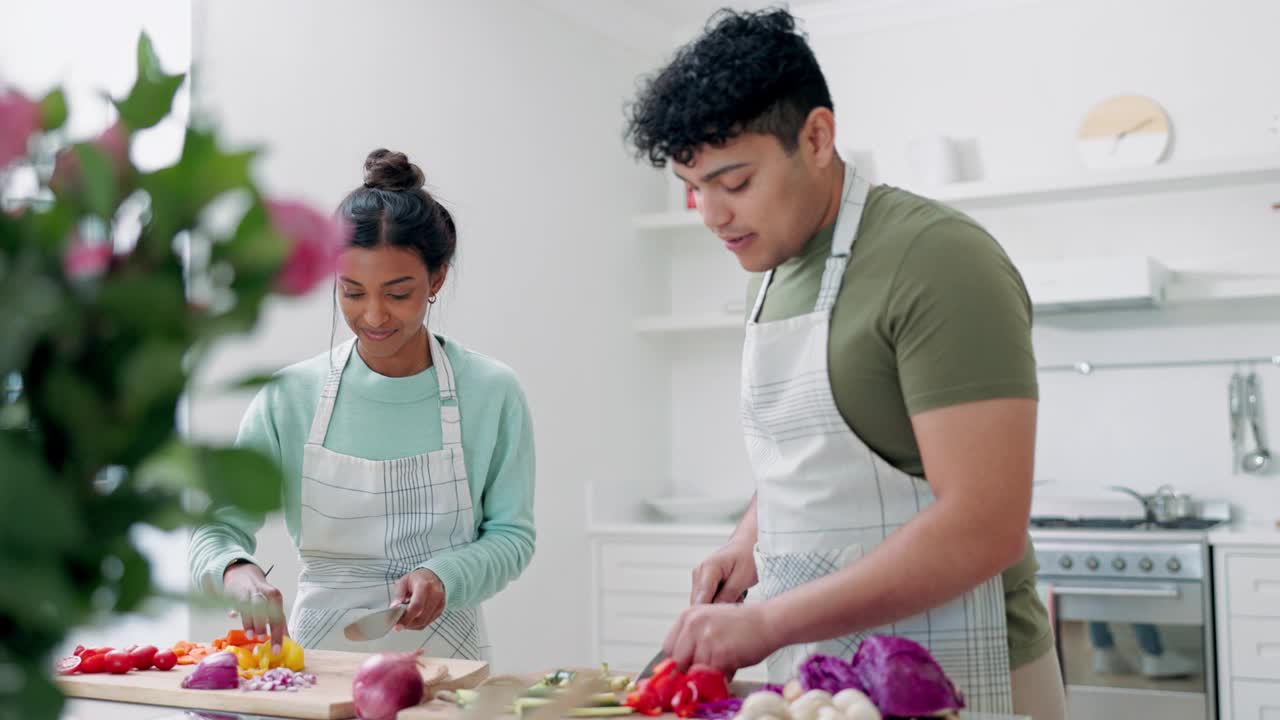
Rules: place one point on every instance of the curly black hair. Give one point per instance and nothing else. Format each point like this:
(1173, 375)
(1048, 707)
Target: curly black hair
(747, 72)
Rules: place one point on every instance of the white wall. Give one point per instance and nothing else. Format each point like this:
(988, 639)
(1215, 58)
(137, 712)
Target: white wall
(515, 116)
(41, 49)
(1017, 82)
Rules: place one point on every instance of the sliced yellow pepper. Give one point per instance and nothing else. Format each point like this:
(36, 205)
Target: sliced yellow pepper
(290, 656)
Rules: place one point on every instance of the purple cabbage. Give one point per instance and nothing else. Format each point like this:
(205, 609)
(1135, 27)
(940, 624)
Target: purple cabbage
(719, 710)
(896, 673)
(902, 678)
(825, 672)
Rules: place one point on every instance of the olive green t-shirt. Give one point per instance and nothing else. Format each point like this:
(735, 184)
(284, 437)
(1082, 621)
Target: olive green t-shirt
(931, 313)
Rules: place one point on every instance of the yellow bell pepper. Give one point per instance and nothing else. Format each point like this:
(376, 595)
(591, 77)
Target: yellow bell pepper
(244, 656)
(290, 656)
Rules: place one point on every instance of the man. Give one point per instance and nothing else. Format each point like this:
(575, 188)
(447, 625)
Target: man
(888, 389)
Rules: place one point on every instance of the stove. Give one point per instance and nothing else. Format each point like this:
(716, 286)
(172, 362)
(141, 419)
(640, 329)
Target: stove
(1122, 523)
(1132, 608)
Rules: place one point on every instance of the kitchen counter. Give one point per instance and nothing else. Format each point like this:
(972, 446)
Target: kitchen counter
(1246, 535)
(77, 709)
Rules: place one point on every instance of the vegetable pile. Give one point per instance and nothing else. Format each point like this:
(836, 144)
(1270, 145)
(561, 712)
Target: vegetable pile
(681, 693)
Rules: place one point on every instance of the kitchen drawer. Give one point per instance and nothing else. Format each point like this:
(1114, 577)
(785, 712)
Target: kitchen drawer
(1255, 700)
(1253, 585)
(1255, 648)
(640, 617)
(651, 567)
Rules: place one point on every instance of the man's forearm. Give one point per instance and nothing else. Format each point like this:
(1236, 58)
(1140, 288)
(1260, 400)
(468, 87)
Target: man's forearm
(939, 555)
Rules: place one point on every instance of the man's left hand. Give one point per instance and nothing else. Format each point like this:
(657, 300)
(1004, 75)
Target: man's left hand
(425, 592)
(724, 636)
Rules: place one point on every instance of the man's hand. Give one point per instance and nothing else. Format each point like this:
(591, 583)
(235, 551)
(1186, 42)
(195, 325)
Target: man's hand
(724, 576)
(424, 592)
(726, 637)
(258, 603)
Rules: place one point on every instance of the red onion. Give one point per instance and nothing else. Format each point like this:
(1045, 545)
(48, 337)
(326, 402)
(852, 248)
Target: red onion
(280, 679)
(219, 671)
(386, 684)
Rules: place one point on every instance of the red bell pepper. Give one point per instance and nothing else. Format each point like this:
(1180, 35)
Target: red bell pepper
(644, 702)
(710, 682)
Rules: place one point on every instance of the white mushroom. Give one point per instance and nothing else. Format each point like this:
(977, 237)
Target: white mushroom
(847, 697)
(806, 707)
(862, 711)
(792, 690)
(829, 712)
(764, 703)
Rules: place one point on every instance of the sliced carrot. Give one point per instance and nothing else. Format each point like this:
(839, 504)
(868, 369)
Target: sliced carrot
(220, 643)
(182, 646)
(237, 637)
(187, 660)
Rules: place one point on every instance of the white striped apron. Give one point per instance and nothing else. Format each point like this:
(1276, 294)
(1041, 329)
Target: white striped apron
(366, 523)
(825, 499)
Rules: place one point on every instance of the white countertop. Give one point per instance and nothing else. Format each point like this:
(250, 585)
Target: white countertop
(1244, 535)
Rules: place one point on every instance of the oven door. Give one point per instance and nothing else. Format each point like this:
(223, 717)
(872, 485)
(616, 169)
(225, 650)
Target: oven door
(1132, 649)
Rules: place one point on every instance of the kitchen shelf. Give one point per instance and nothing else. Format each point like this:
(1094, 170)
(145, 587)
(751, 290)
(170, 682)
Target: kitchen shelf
(1175, 177)
(676, 324)
(1186, 288)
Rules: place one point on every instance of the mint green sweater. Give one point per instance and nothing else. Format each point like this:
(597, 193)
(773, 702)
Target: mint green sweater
(383, 418)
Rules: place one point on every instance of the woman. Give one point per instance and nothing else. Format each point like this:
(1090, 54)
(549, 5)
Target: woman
(408, 459)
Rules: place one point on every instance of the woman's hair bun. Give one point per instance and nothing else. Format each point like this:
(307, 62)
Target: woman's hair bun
(387, 170)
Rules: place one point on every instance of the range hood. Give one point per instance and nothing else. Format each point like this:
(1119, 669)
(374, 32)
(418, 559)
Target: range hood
(1111, 283)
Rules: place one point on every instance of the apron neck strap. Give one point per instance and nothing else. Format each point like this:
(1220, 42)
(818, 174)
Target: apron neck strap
(853, 197)
(450, 418)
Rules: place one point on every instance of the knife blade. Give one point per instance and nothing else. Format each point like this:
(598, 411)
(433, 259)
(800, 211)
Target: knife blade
(375, 624)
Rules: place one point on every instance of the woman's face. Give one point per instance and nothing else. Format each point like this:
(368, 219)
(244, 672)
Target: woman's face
(383, 292)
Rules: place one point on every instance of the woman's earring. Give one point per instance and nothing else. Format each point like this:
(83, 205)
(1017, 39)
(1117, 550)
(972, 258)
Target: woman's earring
(432, 299)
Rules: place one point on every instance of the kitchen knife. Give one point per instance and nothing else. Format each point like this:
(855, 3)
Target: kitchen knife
(375, 624)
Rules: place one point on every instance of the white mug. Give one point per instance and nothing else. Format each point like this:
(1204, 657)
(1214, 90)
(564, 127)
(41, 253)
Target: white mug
(934, 160)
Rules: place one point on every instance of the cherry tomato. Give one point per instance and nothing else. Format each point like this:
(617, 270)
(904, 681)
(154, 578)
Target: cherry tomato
(93, 663)
(164, 660)
(67, 665)
(118, 662)
(142, 657)
(78, 651)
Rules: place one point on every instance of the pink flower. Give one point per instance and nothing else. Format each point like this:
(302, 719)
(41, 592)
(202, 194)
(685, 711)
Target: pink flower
(83, 261)
(314, 238)
(19, 120)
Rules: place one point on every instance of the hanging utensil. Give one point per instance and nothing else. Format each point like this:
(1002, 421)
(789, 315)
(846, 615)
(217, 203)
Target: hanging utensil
(1256, 460)
(1235, 403)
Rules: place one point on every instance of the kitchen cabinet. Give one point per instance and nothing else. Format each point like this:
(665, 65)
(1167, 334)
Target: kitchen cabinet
(1247, 588)
(640, 581)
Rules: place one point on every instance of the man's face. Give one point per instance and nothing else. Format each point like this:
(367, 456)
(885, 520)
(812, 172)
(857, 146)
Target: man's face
(762, 202)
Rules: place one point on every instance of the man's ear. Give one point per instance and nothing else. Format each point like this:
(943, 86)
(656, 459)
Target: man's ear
(818, 136)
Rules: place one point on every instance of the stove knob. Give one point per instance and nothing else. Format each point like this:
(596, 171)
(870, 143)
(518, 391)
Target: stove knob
(1092, 563)
(1064, 562)
(1118, 563)
(1146, 564)
(1173, 565)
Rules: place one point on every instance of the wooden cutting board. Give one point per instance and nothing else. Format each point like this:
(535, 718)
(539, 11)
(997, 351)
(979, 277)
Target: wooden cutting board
(329, 699)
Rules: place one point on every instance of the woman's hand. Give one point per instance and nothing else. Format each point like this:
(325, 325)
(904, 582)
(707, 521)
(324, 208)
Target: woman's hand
(258, 603)
(424, 592)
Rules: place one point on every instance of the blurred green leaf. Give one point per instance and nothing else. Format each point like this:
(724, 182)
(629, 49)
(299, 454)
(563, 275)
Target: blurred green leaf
(249, 382)
(180, 192)
(173, 468)
(255, 246)
(152, 95)
(53, 522)
(37, 698)
(243, 478)
(150, 305)
(152, 374)
(101, 189)
(45, 599)
(79, 408)
(135, 582)
(31, 300)
(53, 110)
